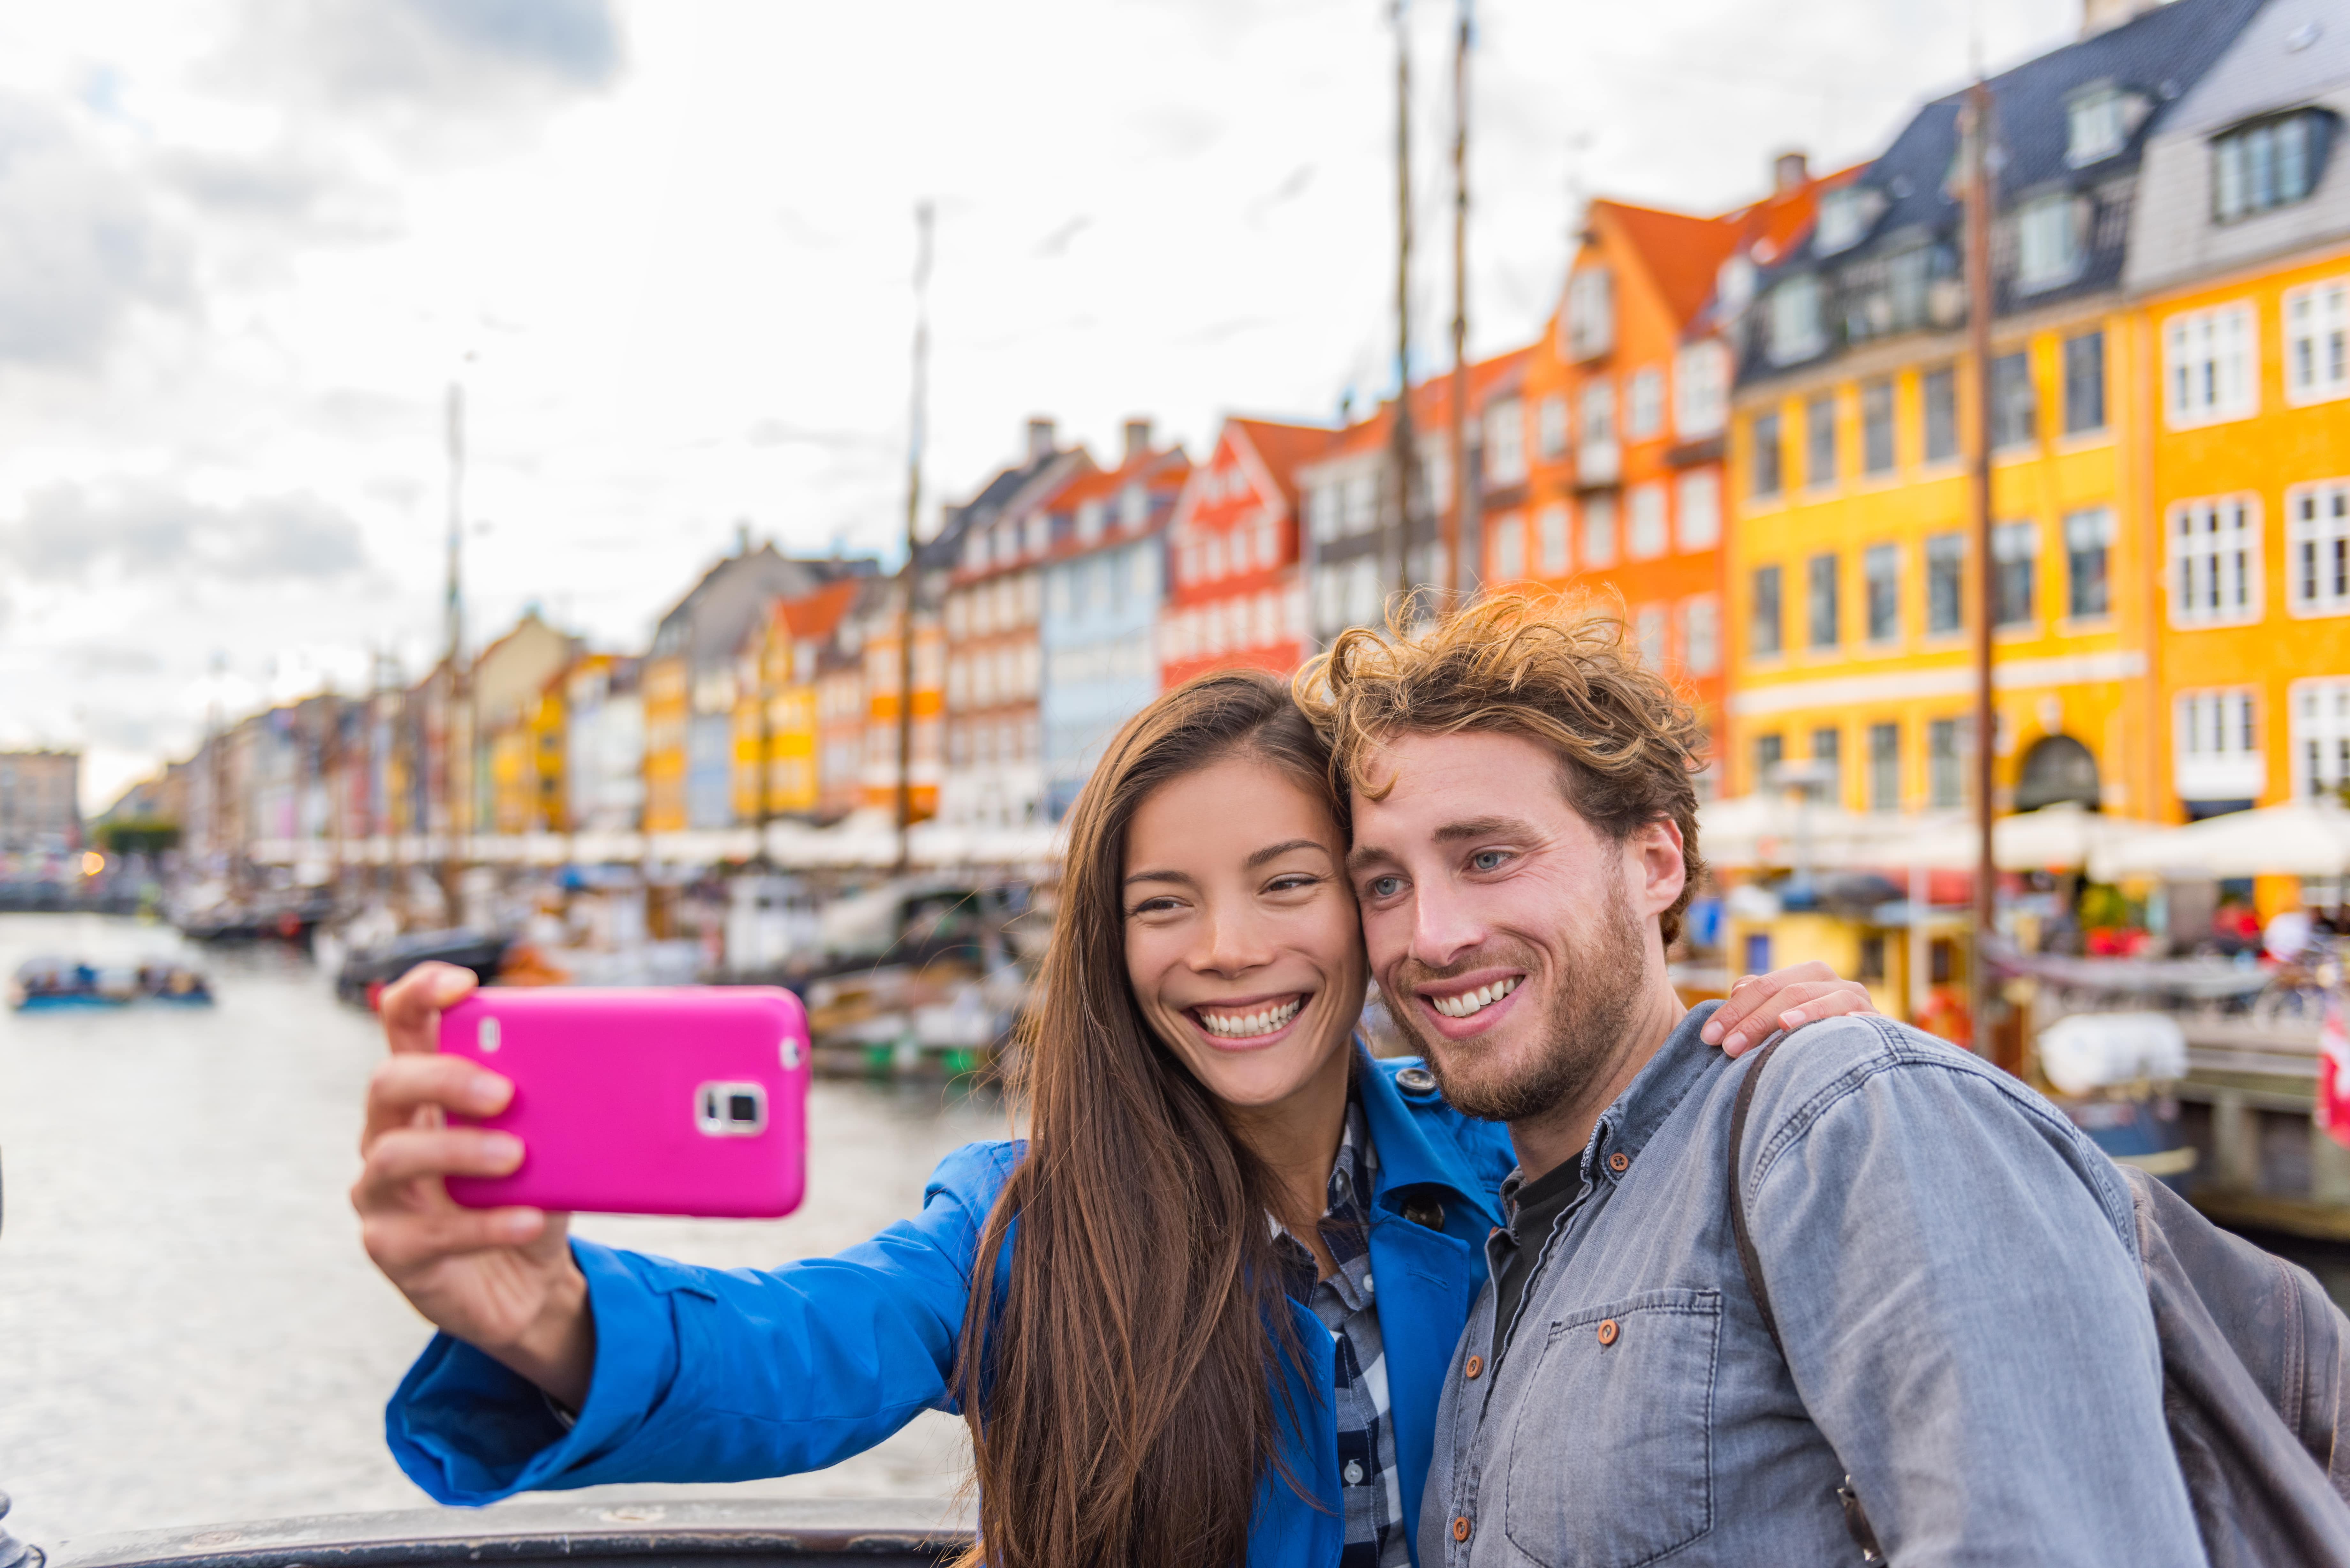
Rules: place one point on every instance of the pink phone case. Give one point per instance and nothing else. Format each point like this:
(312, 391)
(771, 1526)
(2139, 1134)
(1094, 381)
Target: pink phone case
(686, 1100)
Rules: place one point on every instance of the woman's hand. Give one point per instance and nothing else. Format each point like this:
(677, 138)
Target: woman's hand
(1760, 1006)
(502, 1279)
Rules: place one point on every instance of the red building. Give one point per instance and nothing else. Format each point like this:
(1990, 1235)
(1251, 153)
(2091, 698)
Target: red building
(1234, 593)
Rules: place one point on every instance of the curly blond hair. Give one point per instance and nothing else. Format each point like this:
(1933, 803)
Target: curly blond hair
(1547, 667)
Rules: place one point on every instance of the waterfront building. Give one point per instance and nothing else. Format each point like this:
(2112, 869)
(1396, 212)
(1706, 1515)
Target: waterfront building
(690, 684)
(994, 601)
(508, 680)
(40, 802)
(1235, 587)
(1347, 546)
(1104, 581)
(775, 724)
(603, 766)
(842, 710)
(2239, 260)
(1851, 591)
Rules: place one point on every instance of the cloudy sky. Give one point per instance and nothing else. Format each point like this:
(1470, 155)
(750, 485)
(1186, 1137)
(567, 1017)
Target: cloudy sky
(246, 244)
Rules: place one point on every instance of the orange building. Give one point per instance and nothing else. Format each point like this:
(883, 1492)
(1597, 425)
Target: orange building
(1605, 471)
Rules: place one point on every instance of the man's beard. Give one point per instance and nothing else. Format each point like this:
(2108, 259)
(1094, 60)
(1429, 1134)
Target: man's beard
(1583, 1031)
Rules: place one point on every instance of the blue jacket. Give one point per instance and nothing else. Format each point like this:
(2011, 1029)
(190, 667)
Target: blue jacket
(708, 1374)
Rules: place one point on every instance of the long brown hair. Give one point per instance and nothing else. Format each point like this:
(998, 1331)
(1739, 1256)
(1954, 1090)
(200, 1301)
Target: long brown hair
(1121, 1391)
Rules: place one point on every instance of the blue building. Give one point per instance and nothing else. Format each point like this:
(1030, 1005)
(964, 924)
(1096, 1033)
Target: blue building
(1103, 585)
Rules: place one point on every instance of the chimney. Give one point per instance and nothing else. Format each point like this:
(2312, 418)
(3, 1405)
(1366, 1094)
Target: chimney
(2104, 15)
(1790, 170)
(1040, 438)
(1138, 438)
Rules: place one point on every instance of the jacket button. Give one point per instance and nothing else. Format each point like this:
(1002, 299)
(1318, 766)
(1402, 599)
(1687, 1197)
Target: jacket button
(1424, 1211)
(1474, 1367)
(1416, 1081)
(1620, 1162)
(1460, 1527)
(1608, 1331)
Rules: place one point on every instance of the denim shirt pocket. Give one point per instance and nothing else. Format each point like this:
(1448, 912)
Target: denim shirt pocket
(1611, 1449)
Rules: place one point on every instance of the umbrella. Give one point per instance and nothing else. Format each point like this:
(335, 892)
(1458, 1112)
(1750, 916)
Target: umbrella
(2060, 837)
(2301, 838)
(1768, 829)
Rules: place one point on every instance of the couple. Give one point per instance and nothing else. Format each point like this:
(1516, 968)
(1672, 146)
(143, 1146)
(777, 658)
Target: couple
(1248, 1295)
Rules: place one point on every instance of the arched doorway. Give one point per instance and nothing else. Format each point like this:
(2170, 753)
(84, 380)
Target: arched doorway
(2057, 768)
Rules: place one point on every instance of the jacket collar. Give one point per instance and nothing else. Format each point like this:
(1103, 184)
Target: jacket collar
(1407, 1156)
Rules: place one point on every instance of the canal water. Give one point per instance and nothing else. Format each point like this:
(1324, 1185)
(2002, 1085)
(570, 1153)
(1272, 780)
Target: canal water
(189, 1331)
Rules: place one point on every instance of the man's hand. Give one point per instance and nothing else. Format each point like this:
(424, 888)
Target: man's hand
(502, 1279)
(1760, 1006)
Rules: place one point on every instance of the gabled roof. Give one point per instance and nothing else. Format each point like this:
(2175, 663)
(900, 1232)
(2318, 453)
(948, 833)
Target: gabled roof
(1432, 405)
(818, 613)
(1680, 252)
(1281, 447)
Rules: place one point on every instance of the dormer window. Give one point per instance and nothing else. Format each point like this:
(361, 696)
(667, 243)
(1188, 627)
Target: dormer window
(1133, 506)
(1090, 522)
(2049, 242)
(1796, 333)
(1733, 285)
(2268, 163)
(1590, 313)
(2098, 125)
(1846, 213)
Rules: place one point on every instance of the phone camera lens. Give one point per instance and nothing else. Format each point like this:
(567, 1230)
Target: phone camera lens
(741, 1109)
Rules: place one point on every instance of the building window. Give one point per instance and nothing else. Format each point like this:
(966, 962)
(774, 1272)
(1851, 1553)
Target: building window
(2317, 342)
(2014, 408)
(1644, 404)
(1701, 390)
(1821, 617)
(1845, 215)
(1508, 547)
(2088, 555)
(1323, 512)
(1877, 426)
(2318, 544)
(2014, 553)
(2215, 562)
(1945, 786)
(2209, 364)
(1764, 639)
(2096, 125)
(1946, 594)
(1550, 425)
(2216, 746)
(2321, 736)
(1827, 759)
(1765, 432)
(2267, 164)
(1697, 497)
(1090, 522)
(1506, 442)
(1820, 440)
(1649, 630)
(2049, 243)
(1941, 394)
(1884, 767)
(1770, 751)
(1645, 535)
(1881, 569)
(1550, 527)
(1363, 503)
(1599, 428)
(1702, 634)
(1598, 532)
(1796, 333)
(1590, 313)
(2085, 383)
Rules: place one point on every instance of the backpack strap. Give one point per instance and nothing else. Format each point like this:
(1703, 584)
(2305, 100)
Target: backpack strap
(1855, 1517)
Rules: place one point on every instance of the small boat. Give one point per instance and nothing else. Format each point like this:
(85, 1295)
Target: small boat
(368, 971)
(46, 985)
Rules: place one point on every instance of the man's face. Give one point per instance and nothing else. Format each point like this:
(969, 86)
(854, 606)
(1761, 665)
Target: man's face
(1513, 942)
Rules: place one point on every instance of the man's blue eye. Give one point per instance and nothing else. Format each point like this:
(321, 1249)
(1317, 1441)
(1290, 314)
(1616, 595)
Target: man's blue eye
(1386, 887)
(1488, 859)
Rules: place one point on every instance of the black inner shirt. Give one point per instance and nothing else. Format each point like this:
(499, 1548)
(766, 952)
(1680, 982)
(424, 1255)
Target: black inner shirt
(1541, 1203)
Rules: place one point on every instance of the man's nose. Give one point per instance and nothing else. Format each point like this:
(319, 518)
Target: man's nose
(1444, 926)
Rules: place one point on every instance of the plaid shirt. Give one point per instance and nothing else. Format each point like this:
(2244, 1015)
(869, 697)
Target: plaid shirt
(1366, 1457)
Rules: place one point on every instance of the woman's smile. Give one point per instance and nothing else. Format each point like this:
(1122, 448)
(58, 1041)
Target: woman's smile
(1251, 1022)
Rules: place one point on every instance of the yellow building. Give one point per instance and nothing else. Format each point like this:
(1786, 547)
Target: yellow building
(1853, 582)
(775, 716)
(549, 743)
(664, 690)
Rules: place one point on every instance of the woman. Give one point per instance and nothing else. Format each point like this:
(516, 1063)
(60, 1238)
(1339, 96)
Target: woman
(1163, 1376)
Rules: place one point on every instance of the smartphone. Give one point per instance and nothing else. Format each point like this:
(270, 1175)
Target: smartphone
(676, 1100)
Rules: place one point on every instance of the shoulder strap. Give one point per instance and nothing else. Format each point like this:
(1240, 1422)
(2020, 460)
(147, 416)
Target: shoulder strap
(1746, 1258)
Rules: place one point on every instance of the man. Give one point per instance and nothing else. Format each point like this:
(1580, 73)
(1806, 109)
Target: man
(1952, 1267)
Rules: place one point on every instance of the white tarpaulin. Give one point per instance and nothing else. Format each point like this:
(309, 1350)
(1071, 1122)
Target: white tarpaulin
(2304, 838)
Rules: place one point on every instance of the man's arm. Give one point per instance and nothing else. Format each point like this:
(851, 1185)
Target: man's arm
(1962, 1315)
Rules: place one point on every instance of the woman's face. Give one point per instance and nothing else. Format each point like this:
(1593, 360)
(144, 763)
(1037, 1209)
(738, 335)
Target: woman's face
(1242, 940)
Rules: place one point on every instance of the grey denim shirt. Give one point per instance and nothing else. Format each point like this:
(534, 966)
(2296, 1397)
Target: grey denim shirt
(1954, 1269)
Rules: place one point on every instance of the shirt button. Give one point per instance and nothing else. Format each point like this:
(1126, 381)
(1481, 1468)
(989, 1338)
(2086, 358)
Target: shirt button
(1474, 1368)
(1607, 1331)
(1366, 1285)
(1354, 1472)
(1620, 1162)
(1460, 1527)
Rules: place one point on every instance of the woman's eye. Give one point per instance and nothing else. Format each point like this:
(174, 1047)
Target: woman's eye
(1291, 884)
(1152, 907)
(1488, 859)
